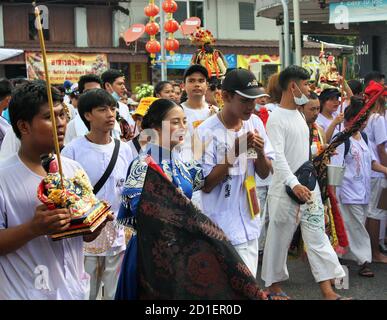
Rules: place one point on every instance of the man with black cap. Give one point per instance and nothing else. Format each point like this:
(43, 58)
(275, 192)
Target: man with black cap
(237, 147)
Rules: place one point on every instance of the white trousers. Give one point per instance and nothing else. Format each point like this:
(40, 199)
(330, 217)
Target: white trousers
(354, 217)
(103, 270)
(285, 215)
(377, 185)
(248, 251)
(382, 234)
(262, 196)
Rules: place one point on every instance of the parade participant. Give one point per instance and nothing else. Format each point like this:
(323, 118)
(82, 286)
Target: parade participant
(94, 152)
(289, 135)
(162, 151)
(354, 192)
(227, 168)
(5, 96)
(274, 91)
(113, 81)
(356, 87)
(377, 135)
(32, 266)
(329, 117)
(212, 94)
(374, 76)
(178, 91)
(164, 89)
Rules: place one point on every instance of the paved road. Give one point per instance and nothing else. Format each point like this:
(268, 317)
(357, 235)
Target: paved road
(301, 285)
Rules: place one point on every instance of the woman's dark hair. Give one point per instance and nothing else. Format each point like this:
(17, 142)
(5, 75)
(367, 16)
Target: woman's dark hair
(157, 113)
(183, 97)
(27, 100)
(93, 99)
(6, 88)
(356, 86)
(160, 87)
(354, 108)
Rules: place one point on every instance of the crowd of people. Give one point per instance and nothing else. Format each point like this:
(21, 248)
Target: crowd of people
(238, 161)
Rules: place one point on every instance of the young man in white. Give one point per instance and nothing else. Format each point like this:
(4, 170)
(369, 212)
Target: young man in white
(227, 135)
(196, 109)
(32, 266)
(113, 81)
(94, 152)
(289, 135)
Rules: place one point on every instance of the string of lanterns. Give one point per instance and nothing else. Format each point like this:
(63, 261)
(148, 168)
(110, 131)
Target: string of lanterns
(152, 28)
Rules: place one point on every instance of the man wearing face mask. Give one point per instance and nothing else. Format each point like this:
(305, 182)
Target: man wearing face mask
(289, 135)
(114, 83)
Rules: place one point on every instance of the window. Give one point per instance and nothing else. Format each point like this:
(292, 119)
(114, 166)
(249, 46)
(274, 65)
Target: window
(189, 8)
(32, 31)
(246, 16)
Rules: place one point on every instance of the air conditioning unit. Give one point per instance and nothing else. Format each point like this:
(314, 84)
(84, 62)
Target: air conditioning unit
(263, 70)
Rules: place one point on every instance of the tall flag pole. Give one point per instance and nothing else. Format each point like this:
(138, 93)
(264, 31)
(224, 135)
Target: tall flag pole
(49, 94)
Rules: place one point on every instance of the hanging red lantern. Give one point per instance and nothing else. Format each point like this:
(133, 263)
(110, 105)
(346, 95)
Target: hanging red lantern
(152, 28)
(171, 26)
(151, 10)
(169, 6)
(172, 45)
(153, 46)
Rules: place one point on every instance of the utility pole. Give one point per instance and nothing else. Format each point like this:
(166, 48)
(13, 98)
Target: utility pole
(297, 31)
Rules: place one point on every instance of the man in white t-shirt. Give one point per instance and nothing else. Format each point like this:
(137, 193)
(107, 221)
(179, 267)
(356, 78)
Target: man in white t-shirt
(32, 266)
(226, 166)
(94, 152)
(196, 110)
(113, 81)
(289, 135)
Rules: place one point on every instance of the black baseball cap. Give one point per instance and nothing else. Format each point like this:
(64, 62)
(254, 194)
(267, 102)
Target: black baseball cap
(195, 68)
(242, 82)
(329, 93)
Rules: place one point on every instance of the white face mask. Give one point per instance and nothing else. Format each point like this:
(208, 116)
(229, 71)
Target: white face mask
(302, 100)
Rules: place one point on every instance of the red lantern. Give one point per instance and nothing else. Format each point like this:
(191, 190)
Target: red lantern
(151, 10)
(152, 28)
(171, 26)
(153, 46)
(172, 45)
(169, 6)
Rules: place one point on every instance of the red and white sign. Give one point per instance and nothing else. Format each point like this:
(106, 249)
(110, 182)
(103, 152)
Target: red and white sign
(190, 25)
(133, 33)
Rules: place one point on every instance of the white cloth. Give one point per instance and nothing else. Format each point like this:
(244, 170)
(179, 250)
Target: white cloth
(123, 110)
(289, 136)
(195, 117)
(77, 128)
(227, 203)
(248, 251)
(4, 126)
(95, 159)
(354, 217)
(106, 271)
(57, 264)
(10, 145)
(262, 196)
(377, 135)
(283, 223)
(377, 185)
(356, 185)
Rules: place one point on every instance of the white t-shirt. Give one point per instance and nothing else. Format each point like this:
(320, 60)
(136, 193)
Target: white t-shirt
(227, 203)
(4, 126)
(324, 123)
(61, 263)
(77, 128)
(289, 136)
(377, 134)
(95, 158)
(194, 118)
(10, 145)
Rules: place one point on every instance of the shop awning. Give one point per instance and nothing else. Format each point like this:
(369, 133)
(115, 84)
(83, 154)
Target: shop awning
(9, 53)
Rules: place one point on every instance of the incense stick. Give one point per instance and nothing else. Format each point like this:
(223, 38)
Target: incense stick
(49, 94)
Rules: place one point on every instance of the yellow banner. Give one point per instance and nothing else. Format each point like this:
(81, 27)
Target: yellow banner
(244, 61)
(65, 66)
(138, 74)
